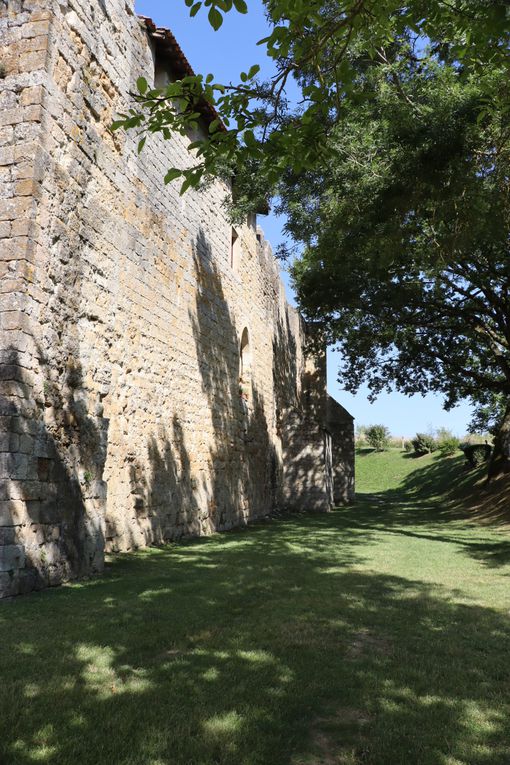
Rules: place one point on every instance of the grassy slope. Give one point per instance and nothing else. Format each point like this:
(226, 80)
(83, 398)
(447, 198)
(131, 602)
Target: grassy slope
(445, 481)
(382, 471)
(375, 635)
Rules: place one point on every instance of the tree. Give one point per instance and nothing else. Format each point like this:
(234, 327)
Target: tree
(424, 443)
(393, 170)
(258, 135)
(447, 443)
(406, 234)
(378, 437)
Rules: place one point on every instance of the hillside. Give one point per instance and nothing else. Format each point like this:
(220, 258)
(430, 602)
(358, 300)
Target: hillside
(445, 482)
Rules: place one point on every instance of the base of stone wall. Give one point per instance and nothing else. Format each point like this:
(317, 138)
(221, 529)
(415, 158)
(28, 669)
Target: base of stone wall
(27, 580)
(27, 567)
(34, 579)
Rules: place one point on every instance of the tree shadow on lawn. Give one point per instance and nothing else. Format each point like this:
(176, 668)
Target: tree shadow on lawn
(263, 647)
(440, 496)
(491, 554)
(447, 478)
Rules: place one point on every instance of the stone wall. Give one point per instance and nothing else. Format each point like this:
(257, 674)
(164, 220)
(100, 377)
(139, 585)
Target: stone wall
(122, 319)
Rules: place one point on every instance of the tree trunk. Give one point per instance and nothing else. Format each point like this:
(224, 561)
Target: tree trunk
(500, 457)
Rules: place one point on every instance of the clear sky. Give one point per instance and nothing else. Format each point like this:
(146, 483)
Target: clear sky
(226, 53)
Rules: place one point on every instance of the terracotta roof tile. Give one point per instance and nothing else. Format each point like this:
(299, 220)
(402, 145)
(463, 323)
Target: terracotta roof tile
(168, 48)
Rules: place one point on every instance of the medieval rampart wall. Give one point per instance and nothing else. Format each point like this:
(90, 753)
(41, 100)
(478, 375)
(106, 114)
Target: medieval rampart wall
(124, 324)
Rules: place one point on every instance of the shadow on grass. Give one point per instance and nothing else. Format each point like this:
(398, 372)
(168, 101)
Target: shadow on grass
(491, 554)
(442, 496)
(445, 477)
(259, 647)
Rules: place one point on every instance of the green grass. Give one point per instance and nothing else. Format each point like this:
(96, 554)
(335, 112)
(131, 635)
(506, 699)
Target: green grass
(426, 477)
(375, 635)
(382, 471)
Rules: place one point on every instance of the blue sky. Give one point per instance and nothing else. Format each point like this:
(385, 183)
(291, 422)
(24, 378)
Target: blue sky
(226, 53)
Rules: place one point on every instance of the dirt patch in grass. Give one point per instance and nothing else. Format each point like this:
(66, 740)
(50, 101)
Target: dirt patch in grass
(367, 644)
(339, 739)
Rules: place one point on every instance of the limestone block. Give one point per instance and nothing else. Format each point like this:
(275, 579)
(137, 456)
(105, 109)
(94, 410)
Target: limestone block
(9, 535)
(12, 557)
(26, 187)
(35, 28)
(35, 536)
(9, 585)
(15, 320)
(42, 511)
(9, 442)
(27, 580)
(11, 116)
(31, 95)
(32, 60)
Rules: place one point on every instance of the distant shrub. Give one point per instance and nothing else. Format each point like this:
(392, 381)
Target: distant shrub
(378, 437)
(448, 446)
(408, 446)
(447, 443)
(424, 443)
(477, 454)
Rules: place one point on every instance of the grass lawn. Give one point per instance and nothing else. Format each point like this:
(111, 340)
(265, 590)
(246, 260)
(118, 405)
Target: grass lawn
(375, 635)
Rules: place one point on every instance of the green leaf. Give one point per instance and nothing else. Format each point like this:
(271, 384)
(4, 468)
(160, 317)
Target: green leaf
(195, 9)
(240, 6)
(254, 70)
(117, 124)
(172, 174)
(249, 139)
(185, 186)
(141, 144)
(215, 19)
(142, 85)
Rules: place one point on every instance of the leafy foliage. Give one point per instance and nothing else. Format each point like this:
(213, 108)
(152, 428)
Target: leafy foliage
(319, 44)
(378, 437)
(424, 443)
(393, 169)
(489, 413)
(448, 445)
(477, 454)
(406, 239)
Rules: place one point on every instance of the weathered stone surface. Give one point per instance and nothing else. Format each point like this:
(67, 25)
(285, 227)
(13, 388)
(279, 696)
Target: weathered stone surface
(153, 380)
(12, 557)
